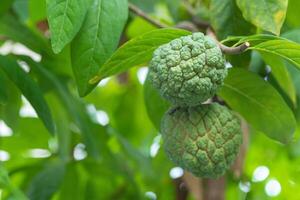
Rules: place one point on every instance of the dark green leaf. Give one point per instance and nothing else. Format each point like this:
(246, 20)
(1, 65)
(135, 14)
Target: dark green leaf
(259, 103)
(268, 15)
(137, 51)
(29, 89)
(227, 20)
(46, 182)
(75, 107)
(11, 28)
(97, 39)
(65, 18)
(5, 5)
(281, 74)
(3, 89)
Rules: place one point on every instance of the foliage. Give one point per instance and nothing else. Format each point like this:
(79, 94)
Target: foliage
(78, 120)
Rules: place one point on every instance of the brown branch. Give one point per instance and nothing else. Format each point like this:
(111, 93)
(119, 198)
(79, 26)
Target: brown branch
(194, 185)
(238, 165)
(187, 25)
(225, 49)
(214, 189)
(146, 17)
(191, 26)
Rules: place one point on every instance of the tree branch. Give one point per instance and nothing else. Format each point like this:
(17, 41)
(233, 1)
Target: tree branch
(228, 50)
(193, 27)
(146, 17)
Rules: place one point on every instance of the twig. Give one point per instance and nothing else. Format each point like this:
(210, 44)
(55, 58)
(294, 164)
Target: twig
(142, 14)
(228, 50)
(187, 25)
(191, 27)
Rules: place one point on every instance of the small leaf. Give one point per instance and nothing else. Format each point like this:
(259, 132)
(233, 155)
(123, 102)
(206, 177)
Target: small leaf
(137, 51)
(277, 46)
(259, 103)
(268, 15)
(97, 39)
(156, 106)
(281, 74)
(29, 89)
(47, 182)
(65, 18)
(283, 48)
(227, 20)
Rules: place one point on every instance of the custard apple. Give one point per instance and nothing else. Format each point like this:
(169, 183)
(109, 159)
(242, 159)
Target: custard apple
(203, 139)
(188, 70)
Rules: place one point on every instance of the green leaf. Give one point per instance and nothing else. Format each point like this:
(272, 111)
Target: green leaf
(268, 15)
(65, 18)
(37, 10)
(156, 106)
(136, 52)
(14, 30)
(75, 107)
(73, 185)
(3, 90)
(5, 5)
(227, 19)
(283, 48)
(259, 103)
(29, 89)
(6, 184)
(277, 46)
(293, 14)
(97, 39)
(281, 74)
(47, 182)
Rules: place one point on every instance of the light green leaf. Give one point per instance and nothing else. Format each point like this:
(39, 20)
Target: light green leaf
(227, 20)
(268, 15)
(47, 182)
(283, 48)
(156, 106)
(259, 103)
(281, 74)
(277, 46)
(293, 14)
(136, 52)
(37, 10)
(97, 39)
(6, 184)
(65, 18)
(29, 89)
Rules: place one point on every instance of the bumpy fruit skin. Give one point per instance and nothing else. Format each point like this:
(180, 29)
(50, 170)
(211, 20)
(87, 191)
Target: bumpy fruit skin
(203, 139)
(188, 70)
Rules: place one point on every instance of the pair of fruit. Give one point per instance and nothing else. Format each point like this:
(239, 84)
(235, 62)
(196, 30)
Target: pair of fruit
(201, 138)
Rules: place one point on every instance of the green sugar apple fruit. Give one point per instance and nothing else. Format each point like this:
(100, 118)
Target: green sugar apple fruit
(203, 139)
(188, 70)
